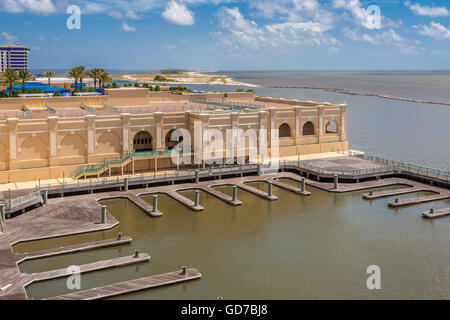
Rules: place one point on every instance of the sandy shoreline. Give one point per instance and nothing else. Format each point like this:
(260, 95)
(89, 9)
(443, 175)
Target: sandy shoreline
(185, 78)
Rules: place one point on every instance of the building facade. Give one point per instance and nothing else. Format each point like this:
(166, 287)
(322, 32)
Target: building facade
(13, 56)
(51, 145)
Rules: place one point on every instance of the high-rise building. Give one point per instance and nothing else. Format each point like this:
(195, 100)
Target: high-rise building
(13, 56)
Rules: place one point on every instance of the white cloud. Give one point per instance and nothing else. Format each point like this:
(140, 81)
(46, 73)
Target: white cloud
(41, 38)
(34, 6)
(238, 30)
(9, 37)
(132, 15)
(127, 28)
(361, 15)
(434, 30)
(427, 11)
(177, 13)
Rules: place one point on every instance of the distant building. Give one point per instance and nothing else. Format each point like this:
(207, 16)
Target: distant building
(13, 56)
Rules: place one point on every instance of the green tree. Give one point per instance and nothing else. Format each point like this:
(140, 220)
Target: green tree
(239, 90)
(95, 74)
(9, 77)
(56, 94)
(104, 79)
(157, 88)
(73, 73)
(49, 75)
(24, 76)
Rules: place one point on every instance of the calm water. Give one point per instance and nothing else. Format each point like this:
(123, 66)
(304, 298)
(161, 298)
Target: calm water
(315, 247)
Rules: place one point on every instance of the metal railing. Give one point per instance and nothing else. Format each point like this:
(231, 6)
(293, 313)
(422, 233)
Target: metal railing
(238, 106)
(12, 203)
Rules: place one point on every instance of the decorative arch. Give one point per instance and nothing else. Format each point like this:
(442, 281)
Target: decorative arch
(72, 144)
(284, 131)
(108, 142)
(142, 142)
(171, 143)
(331, 127)
(33, 148)
(308, 129)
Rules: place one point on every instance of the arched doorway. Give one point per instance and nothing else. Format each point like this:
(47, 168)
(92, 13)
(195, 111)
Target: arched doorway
(308, 129)
(284, 131)
(142, 142)
(172, 142)
(331, 127)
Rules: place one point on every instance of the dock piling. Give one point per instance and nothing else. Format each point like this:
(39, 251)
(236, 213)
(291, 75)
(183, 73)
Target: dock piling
(269, 193)
(103, 214)
(197, 198)
(125, 182)
(3, 211)
(303, 184)
(45, 196)
(234, 193)
(259, 169)
(136, 253)
(183, 270)
(155, 203)
(197, 176)
(336, 181)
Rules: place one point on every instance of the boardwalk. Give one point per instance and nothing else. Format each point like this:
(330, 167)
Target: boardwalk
(131, 286)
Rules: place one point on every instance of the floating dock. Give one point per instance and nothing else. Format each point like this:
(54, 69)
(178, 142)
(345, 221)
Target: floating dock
(388, 193)
(75, 248)
(430, 214)
(90, 267)
(132, 286)
(406, 202)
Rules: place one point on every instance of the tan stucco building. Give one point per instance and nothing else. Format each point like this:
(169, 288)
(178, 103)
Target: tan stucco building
(44, 138)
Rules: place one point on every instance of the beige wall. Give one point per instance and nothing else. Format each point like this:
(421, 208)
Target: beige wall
(47, 148)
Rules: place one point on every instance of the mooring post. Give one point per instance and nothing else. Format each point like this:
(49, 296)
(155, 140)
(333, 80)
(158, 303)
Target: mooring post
(259, 169)
(2, 215)
(125, 182)
(103, 214)
(45, 196)
(197, 198)
(269, 193)
(336, 181)
(432, 210)
(234, 193)
(303, 184)
(155, 203)
(183, 271)
(3, 211)
(197, 176)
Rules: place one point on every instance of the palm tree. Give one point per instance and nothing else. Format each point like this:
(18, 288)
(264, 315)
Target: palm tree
(82, 73)
(24, 76)
(104, 78)
(49, 75)
(95, 74)
(73, 73)
(10, 78)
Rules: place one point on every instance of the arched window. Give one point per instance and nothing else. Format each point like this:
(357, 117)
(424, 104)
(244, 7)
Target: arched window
(171, 142)
(308, 129)
(142, 141)
(331, 127)
(284, 131)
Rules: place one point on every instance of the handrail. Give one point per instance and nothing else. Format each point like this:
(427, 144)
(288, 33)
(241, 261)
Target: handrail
(50, 108)
(11, 203)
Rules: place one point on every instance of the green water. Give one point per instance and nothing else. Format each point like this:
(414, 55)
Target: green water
(315, 247)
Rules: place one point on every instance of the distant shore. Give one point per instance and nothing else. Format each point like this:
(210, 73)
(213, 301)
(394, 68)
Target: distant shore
(183, 78)
(349, 92)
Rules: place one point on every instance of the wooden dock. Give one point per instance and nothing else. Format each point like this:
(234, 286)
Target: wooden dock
(90, 267)
(255, 191)
(436, 213)
(289, 187)
(71, 249)
(131, 286)
(388, 193)
(406, 202)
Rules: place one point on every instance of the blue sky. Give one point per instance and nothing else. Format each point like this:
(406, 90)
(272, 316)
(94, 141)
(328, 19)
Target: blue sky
(232, 35)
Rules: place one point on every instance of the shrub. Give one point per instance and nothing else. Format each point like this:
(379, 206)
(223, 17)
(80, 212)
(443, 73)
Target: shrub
(157, 88)
(56, 94)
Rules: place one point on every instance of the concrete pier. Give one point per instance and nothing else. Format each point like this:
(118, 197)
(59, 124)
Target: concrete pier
(132, 286)
(257, 192)
(406, 202)
(291, 188)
